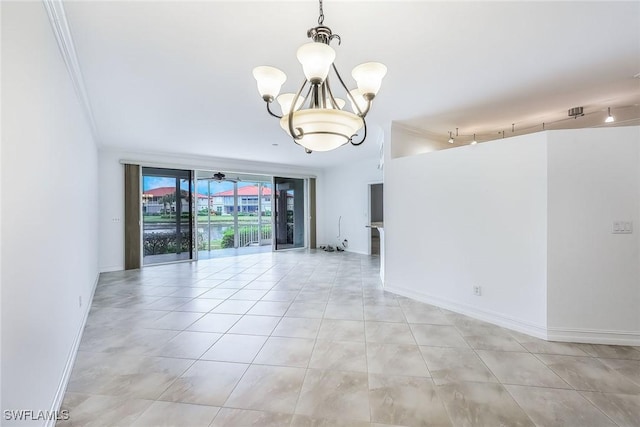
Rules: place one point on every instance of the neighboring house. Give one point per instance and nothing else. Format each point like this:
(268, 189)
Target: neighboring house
(162, 199)
(222, 202)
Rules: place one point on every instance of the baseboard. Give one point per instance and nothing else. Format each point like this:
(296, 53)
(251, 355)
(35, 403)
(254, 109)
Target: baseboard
(356, 252)
(594, 336)
(488, 316)
(110, 268)
(66, 374)
(587, 336)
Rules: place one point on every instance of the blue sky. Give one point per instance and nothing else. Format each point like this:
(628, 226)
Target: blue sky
(151, 182)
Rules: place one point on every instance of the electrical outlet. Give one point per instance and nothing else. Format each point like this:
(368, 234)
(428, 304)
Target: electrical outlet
(477, 290)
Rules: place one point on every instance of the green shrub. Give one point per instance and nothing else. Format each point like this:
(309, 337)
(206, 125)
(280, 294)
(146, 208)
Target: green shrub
(227, 239)
(165, 243)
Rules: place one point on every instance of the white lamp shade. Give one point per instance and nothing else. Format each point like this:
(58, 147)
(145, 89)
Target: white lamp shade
(285, 101)
(369, 77)
(316, 58)
(357, 96)
(342, 125)
(270, 80)
(339, 101)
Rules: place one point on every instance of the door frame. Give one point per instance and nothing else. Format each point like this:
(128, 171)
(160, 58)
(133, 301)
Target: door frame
(305, 213)
(369, 185)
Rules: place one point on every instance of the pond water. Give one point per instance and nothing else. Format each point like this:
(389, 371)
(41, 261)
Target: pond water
(217, 229)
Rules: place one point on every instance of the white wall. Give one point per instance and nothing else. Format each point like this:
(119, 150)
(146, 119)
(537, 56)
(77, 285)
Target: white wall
(473, 215)
(530, 220)
(111, 184)
(345, 193)
(594, 277)
(411, 142)
(0, 237)
(49, 212)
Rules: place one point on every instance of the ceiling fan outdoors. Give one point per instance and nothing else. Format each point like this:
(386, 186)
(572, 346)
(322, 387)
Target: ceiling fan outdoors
(219, 177)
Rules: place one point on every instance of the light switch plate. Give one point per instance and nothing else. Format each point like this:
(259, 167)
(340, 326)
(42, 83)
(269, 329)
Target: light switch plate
(622, 227)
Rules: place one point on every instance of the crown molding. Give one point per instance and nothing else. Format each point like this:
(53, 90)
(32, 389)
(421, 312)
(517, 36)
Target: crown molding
(62, 32)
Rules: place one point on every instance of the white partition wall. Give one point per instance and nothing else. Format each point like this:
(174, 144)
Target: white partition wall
(475, 216)
(594, 276)
(529, 219)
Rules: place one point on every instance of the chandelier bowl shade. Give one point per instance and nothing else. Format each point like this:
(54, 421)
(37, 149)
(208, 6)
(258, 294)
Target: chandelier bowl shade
(324, 129)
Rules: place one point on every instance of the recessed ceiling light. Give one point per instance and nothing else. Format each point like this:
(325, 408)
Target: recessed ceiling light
(274, 144)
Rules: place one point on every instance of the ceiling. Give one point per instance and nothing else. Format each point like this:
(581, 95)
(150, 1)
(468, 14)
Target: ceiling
(175, 77)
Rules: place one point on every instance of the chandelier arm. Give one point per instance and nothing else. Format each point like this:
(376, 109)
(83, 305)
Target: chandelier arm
(351, 98)
(291, 108)
(271, 112)
(306, 150)
(334, 104)
(323, 94)
(363, 138)
(328, 132)
(308, 93)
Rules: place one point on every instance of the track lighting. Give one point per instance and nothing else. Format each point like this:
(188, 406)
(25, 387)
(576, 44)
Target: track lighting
(610, 118)
(574, 113)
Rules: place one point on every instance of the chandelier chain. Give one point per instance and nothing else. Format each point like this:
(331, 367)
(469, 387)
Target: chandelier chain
(321, 17)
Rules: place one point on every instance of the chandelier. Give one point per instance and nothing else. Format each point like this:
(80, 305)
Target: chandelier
(317, 121)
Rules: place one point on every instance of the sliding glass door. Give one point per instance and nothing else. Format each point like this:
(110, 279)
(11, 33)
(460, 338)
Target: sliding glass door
(167, 215)
(254, 214)
(234, 214)
(220, 214)
(290, 213)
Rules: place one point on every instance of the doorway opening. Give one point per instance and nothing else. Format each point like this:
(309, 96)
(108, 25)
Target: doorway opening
(289, 213)
(376, 215)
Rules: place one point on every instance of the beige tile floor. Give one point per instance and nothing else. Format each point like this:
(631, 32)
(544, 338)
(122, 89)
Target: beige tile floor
(311, 339)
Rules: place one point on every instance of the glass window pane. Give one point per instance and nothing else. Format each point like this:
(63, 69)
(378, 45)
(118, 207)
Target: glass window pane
(167, 213)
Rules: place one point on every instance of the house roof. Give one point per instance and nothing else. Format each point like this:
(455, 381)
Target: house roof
(248, 190)
(164, 191)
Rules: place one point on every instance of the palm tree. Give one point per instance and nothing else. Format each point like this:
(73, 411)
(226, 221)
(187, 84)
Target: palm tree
(168, 199)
